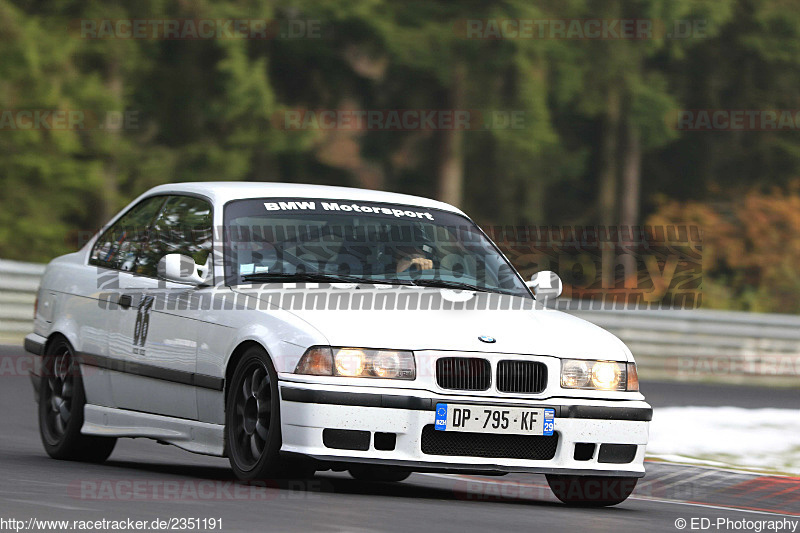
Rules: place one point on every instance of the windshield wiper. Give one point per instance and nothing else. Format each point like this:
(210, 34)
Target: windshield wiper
(458, 285)
(319, 277)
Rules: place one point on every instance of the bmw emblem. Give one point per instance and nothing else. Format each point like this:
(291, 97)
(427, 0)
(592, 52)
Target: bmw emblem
(486, 338)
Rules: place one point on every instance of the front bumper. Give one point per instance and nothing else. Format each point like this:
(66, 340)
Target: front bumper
(308, 409)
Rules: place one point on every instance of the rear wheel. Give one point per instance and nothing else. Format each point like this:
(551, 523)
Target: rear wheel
(61, 402)
(591, 491)
(379, 473)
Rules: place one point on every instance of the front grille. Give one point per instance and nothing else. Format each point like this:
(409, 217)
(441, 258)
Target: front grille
(521, 376)
(533, 447)
(463, 373)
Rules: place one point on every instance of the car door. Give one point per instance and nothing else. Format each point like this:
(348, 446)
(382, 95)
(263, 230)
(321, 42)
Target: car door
(111, 262)
(157, 335)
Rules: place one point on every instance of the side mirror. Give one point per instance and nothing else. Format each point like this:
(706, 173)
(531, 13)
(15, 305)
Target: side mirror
(181, 268)
(546, 285)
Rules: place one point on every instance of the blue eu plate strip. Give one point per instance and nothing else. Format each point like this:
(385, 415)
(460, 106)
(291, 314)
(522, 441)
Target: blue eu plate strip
(549, 422)
(441, 417)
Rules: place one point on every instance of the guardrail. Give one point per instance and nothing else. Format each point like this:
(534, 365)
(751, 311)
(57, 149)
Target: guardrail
(18, 284)
(674, 344)
(727, 346)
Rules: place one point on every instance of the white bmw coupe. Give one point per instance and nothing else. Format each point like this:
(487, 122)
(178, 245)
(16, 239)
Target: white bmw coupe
(297, 328)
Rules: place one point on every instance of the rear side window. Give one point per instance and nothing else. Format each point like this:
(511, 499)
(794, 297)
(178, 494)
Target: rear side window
(183, 227)
(120, 245)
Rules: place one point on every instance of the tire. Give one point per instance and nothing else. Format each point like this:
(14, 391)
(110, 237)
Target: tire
(252, 418)
(591, 491)
(379, 473)
(61, 402)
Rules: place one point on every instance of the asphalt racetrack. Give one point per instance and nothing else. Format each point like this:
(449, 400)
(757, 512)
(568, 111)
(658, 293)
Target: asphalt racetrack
(146, 481)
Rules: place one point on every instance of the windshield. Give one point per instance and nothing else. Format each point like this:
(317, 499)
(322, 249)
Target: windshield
(341, 240)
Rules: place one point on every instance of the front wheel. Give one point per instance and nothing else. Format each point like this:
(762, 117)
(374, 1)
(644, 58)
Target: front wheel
(591, 491)
(252, 418)
(61, 402)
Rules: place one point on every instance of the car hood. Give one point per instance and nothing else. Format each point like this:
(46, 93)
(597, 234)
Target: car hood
(449, 320)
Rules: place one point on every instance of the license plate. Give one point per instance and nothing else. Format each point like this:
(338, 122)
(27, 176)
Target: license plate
(493, 419)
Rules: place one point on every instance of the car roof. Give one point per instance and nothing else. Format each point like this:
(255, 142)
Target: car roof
(221, 192)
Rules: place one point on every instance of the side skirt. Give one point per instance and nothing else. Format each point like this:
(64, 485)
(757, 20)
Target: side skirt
(191, 435)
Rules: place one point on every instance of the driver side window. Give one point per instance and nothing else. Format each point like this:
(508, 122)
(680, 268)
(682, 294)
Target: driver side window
(120, 245)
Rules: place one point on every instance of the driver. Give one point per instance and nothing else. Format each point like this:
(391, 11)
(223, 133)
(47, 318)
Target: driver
(415, 253)
(412, 258)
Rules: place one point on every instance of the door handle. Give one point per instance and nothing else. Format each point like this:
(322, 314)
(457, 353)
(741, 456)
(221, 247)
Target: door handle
(125, 301)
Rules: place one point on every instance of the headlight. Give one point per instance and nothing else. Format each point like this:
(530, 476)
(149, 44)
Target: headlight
(599, 375)
(350, 362)
(607, 375)
(357, 363)
(574, 374)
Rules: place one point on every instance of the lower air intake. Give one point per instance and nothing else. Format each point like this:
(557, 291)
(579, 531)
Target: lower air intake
(533, 447)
